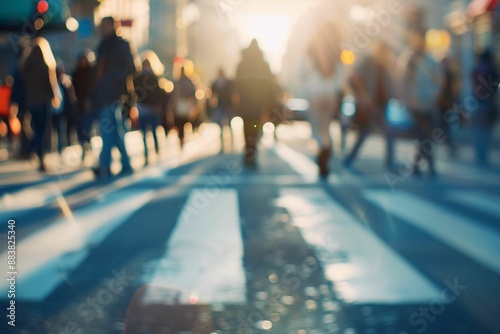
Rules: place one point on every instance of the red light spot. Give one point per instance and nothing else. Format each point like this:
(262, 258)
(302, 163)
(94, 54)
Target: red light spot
(42, 6)
(193, 299)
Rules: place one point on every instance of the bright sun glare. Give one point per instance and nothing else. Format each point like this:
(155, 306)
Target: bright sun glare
(271, 31)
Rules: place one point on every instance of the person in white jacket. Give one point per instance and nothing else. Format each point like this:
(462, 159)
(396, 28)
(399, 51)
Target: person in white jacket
(324, 79)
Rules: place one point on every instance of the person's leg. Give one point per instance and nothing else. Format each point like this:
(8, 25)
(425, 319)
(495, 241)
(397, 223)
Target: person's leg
(251, 131)
(107, 129)
(179, 124)
(362, 135)
(59, 124)
(154, 123)
(389, 144)
(119, 140)
(143, 127)
(39, 123)
(425, 146)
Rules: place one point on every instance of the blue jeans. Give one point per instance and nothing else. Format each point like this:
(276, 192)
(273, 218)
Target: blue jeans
(112, 130)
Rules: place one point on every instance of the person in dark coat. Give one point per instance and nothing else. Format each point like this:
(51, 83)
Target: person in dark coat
(63, 117)
(114, 71)
(222, 90)
(484, 117)
(18, 99)
(150, 99)
(255, 93)
(42, 93)
(82, 80)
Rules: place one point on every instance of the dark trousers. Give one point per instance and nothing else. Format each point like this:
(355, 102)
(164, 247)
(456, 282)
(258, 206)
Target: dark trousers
(251, 129)
(423, 123)
(40, 123)
(149, 119)
(59, 125)
(363, 134)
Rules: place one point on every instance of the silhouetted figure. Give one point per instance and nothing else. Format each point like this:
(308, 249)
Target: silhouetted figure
(63, 117)
(484, 117)
(255, 91)
(114, 68)
(222, 90)
(373, 86)
(42, 93)
(82, 81)
(184, 102)
(5, 95)
(18, 101)
(150, 98)
(447, 99)
(324, 80)
(421, 84)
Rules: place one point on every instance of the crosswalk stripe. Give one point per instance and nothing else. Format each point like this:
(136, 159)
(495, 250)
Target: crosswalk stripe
(477, 200)
(363, 268)
(471, 237)
(14, 203)
(204, 255)
(44, 258)
(298, 162)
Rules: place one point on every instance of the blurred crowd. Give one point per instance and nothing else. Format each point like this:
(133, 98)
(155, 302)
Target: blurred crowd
(103, 96)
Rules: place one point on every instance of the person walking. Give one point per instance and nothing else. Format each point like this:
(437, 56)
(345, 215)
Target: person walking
(222, 90)
(484, 117)
(42, 93)
(183, 104)
(324, 80)
(255, 90)
(82, 81)
(150, 99)
(115, 68)
(421, 84)
(372, 83)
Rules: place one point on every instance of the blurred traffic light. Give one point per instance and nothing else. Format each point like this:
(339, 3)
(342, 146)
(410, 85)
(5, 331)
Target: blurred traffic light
(42, 7)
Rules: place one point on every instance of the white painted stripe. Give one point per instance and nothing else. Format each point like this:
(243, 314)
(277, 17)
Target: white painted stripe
(204, 255)
(45, 257)
(363, 268)
(298, 162)
(468, 236)
(477, 200)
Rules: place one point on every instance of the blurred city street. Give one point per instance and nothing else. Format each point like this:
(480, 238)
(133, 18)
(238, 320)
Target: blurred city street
(250, 167)
(350, 254)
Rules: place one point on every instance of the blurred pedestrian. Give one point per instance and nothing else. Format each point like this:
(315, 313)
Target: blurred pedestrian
(183, 104)
(42, 93)
(372, 83)
(421, 83)
(115, 68)
(18, 105)
(150, 97)
(324, 80)
(222, 91)
(63, 117)
(5, 95)
(82, 80)
(447, 99)
(483, 119)
(255, 91)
